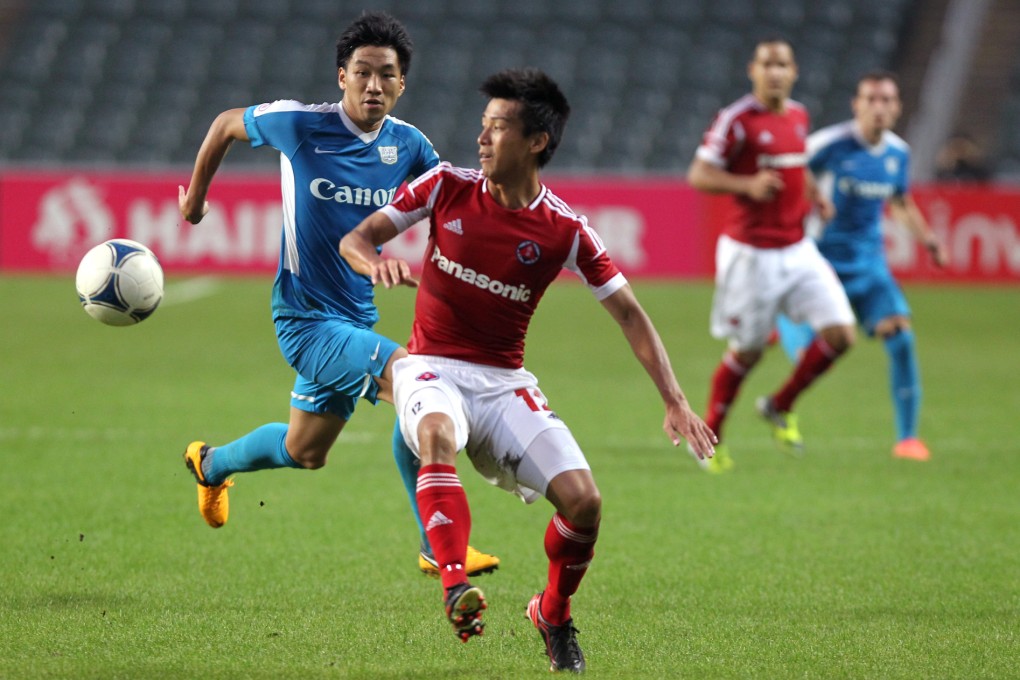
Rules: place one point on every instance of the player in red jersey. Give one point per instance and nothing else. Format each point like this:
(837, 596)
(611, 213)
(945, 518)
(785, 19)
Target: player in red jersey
(497, 239)
(755, 151)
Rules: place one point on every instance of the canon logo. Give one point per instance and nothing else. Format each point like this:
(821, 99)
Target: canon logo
(327, 191)
(853, 187)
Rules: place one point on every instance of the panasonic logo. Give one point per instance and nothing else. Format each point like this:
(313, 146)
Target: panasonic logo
(327, 191)
(782, 160)
(470, 276)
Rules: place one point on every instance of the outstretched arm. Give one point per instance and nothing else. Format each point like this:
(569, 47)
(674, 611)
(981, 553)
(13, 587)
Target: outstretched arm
(647, 346)
(358, 247)
(227, 127)
(761, 186)
(819, 201)
(905, 211)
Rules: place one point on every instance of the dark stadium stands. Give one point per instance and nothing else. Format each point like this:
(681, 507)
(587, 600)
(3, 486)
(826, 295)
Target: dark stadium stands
(139, 81)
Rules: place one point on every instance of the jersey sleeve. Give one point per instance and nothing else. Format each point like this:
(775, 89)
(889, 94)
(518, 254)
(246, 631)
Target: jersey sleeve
(822, 145)
(277, 125)
(417, 199)
(903, 179)
(818, 152)
(719, 140)
(427, 158)
(590, 260)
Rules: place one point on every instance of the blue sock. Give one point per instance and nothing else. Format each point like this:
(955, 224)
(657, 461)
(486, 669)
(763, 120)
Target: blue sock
(905, 382)
(260, 449)
(794, 337)
(408, 465)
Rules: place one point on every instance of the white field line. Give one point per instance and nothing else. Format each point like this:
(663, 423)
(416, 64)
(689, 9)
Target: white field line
(182, 292)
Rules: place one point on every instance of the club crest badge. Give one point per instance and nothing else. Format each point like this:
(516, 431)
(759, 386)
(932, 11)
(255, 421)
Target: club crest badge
(528, 252)
(388, 154)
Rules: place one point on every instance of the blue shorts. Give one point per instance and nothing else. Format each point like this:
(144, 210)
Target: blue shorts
(874, 295)
(335, 362)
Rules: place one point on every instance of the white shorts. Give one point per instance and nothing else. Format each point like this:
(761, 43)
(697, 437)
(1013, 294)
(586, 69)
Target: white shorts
(512, 437)
(754, 285)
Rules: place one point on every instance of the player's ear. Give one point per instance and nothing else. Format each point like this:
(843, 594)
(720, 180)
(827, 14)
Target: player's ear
(341, 78)
(539, 141)
(403, 84)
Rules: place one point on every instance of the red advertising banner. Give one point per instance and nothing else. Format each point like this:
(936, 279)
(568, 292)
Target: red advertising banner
(980, 227)
(49, 220)
(653, 227)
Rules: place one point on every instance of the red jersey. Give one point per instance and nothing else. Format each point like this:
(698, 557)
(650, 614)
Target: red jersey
(746, 137)
(486, 267)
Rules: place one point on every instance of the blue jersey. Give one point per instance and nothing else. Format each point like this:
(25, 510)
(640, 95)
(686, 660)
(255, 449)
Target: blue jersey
(333, 175)
(859, 178)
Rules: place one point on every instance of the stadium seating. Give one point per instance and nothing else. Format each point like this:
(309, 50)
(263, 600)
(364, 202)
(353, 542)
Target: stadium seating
(139, 81)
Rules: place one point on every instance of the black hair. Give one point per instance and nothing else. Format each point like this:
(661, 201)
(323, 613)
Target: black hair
(375, 29)
(544, 108)
(770, 39)
(877, 75)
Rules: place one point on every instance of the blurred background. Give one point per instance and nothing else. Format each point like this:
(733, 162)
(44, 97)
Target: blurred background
(104, 104)
(137, 82)
(847, 564)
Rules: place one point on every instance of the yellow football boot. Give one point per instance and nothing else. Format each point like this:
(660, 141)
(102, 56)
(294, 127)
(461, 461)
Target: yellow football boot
(718, 464)
(213, 502)
(477, 563)
(784, 427)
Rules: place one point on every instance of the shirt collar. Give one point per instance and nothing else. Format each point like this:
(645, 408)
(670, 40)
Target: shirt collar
(366, 137)
(872, 148)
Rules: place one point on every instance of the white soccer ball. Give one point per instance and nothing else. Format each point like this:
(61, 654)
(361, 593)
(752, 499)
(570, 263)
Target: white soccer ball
(119, 282)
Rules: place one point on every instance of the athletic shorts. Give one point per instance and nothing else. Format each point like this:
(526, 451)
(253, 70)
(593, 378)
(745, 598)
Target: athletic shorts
(500, 416)
(754, 285)
(874, 295)
(335, 362)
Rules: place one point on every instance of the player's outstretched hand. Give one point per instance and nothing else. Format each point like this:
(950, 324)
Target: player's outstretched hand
(938, 251)
(764, 185)
(683, 423)
(393, 272)
(192, 213)
(825, 207)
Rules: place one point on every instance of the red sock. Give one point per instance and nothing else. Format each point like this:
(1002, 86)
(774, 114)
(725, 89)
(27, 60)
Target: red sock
(444, 509)
(570, 550)
(816, 360)
(725, 385)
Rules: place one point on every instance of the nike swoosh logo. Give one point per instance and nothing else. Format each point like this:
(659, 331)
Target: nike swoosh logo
(319, 149)
(375, 354)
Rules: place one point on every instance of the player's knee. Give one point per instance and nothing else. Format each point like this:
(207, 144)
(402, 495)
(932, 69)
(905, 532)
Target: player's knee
(306, 452)
(437, 439)
(308, 457)
(747, 358)
(839, 338)
(890, 326)
(585, 510)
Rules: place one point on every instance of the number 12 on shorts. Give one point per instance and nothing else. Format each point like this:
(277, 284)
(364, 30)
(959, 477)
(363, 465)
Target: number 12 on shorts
(534, 399)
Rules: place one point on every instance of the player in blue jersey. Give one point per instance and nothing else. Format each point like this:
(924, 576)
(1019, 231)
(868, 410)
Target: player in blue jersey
(863, 164)
(339, 163)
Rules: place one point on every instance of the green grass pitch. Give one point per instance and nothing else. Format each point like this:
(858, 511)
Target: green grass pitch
(846, 564)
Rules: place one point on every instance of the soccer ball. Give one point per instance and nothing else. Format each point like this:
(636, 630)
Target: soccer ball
(119, 282)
